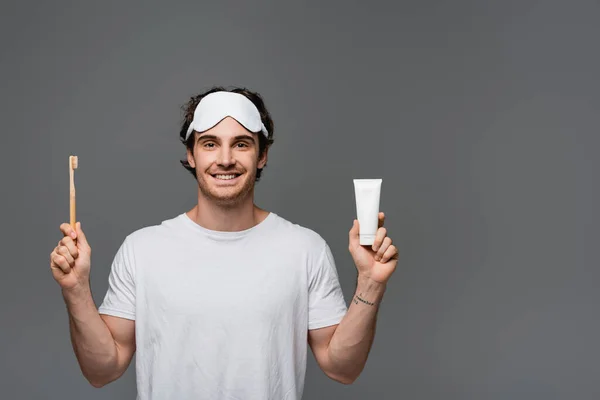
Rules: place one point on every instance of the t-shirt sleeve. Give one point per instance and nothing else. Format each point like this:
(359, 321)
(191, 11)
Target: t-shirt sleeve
(119, 300)
(326, 304)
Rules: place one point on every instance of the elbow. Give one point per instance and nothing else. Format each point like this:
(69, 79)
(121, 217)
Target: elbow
(346, 375)
(102, 378)
(343, 379)
(96, 382)
(346, 381)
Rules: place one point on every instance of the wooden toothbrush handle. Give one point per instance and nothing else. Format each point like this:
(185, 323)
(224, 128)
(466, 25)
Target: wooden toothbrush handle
(73, 207)
(72, 197)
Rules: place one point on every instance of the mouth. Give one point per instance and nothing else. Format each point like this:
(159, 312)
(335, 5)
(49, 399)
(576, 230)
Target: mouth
(229, 178)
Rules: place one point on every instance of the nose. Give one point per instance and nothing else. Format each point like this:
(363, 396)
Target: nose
(225, 157)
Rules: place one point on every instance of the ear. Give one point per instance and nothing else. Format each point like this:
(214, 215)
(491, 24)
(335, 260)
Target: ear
(190, 158)
(262, 161)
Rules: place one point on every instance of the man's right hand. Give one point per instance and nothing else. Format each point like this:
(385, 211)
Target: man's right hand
(70, 260)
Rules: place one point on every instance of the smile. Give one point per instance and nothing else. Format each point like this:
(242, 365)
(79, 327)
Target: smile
(225, 177)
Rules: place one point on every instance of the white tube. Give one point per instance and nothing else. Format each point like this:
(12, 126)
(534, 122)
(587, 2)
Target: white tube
(367, 193)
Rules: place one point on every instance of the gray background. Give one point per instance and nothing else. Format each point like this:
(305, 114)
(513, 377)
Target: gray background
(481, 118)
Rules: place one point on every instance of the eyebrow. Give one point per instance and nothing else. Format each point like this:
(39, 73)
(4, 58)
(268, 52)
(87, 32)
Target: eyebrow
(238, 137)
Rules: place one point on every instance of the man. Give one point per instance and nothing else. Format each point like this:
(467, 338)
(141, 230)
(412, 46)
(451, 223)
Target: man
(221, 301)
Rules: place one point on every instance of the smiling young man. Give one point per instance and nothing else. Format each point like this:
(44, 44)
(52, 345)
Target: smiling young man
(222, 301)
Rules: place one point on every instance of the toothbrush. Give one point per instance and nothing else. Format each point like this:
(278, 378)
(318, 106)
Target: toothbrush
(73, 161)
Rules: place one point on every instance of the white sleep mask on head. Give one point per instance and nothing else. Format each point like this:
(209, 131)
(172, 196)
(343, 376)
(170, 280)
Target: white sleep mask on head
(218, 105)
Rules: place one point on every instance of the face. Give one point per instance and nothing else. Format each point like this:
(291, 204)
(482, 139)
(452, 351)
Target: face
(226, 158)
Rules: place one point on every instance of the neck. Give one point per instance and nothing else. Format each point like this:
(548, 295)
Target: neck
(231, 218)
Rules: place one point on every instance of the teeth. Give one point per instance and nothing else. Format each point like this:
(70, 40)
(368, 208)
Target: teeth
(225, 176)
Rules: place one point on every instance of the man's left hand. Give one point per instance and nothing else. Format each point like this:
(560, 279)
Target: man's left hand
(376, 262)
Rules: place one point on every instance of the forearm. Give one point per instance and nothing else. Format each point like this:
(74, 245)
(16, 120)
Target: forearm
(92, 341)
(350, 344)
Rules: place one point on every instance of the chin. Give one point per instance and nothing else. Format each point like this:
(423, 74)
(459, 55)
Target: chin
(228, 200)
(227, 195)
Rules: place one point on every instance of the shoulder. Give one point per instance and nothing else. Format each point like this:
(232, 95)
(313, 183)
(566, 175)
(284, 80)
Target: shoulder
(150, 235)
(302, 236)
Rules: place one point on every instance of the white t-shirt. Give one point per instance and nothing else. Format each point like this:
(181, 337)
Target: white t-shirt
(223, 315)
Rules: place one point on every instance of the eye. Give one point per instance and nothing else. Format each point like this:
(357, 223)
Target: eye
(242, 144)
(209, 145)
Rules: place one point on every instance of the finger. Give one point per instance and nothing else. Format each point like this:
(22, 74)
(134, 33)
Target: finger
(70, 245)
(59, 262)
(387, 242)
(81, 235)
(63, 251)
(390, 254)
(379, 236)
(381, 219)
(353, 236)
(67, 230)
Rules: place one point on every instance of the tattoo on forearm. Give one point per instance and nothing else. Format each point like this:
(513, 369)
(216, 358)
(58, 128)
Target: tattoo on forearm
(357, 298)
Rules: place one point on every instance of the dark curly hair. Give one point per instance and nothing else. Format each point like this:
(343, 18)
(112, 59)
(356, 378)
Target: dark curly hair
(189, 108)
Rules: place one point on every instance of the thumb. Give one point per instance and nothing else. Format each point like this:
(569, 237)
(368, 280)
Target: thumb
(81, 239)
(353, 235)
